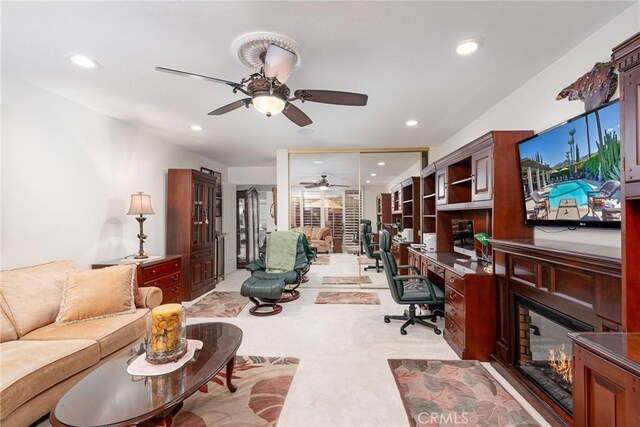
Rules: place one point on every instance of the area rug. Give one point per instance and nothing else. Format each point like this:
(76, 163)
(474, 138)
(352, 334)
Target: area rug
(368, 298)
(321, 260)
(345, 280)
(218, 304)
(455, 392)
(263, 384)
(363, 260)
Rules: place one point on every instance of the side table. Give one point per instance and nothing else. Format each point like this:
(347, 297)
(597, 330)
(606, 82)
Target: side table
(163, 272)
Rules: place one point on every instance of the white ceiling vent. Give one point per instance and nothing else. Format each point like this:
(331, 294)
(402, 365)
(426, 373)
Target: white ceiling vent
(248, 48)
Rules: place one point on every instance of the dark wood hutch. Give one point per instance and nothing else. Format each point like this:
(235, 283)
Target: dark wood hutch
(191, 228)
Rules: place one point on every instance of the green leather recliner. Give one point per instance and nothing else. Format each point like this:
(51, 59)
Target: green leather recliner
(292, 278)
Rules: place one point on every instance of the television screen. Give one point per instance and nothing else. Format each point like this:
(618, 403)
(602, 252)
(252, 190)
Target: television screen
(571, 173)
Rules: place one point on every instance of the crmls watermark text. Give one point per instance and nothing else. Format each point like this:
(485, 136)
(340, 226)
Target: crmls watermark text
(438, 418)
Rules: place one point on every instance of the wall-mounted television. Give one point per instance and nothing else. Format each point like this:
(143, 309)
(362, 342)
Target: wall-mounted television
(570, 174)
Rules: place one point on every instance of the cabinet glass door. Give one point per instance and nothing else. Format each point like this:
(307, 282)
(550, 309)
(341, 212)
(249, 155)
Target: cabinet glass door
(242, 229)
(209, 213)
(198, 213)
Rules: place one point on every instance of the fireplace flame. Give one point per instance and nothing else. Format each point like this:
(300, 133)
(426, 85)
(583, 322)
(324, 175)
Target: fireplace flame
(561, 363)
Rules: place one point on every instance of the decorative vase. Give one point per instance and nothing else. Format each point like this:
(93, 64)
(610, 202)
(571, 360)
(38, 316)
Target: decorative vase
(166, 339)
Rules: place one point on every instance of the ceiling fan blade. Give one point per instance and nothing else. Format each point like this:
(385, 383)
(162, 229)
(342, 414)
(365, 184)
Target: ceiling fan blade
(197, 76)
(333, 97)
(306, 183)
(296, 115)
(278, 63)
(336, 185)
(311, 186)
(230, 107)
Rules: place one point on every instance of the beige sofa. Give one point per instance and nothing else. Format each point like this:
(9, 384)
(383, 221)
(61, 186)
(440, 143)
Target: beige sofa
(40, 361)
(318, 236)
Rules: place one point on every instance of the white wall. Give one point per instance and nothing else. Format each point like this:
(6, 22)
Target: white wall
(259, 175)
(369, 194)
(413, 170)
(533, 106)
(67, 175)
(282, 181)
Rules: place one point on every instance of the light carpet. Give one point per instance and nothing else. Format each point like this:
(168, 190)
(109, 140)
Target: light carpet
(449, 392)
(366, 298)
(218, 304)
(263, 384)
(345, 280)
(321, 260)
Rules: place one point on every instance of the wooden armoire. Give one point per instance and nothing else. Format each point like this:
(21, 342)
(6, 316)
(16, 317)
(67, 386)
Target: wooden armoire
(191, 228)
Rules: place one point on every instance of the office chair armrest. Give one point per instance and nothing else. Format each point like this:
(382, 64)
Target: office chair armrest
(430, 285)
(412, 267)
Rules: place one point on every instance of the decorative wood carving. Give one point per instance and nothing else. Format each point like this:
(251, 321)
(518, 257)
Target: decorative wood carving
(594, 88)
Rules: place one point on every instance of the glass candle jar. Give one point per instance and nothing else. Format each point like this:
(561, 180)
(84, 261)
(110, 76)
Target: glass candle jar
(166, 339)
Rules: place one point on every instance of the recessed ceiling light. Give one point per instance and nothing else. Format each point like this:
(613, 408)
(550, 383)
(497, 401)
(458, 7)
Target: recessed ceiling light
(467, 47)
(83, 61)
(318, 162)
(197, 128)
(412, 122)
(381, 163)
(372, 174)
(368, 182)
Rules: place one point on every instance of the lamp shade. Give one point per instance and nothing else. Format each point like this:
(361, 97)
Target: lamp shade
(268, 104)
(140, 204)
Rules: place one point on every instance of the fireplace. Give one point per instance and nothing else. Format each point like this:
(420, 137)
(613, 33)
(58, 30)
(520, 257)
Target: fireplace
(543, 349)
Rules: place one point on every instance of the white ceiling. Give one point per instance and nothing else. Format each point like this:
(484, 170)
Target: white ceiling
(350, 168)
(400, 53)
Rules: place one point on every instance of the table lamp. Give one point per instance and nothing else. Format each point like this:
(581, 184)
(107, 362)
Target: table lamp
(141, 205)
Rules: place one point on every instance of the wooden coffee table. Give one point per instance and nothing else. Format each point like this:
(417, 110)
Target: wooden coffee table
(110, 396)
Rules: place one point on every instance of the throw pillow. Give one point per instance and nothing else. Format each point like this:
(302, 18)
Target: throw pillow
(94, 294)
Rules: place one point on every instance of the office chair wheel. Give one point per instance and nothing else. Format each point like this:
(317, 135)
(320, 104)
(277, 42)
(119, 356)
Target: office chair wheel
(386, 319)
(437, 331)
(402, 331)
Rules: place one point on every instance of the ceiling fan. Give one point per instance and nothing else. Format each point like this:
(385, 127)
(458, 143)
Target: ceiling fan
(267, 92)
(322, 184)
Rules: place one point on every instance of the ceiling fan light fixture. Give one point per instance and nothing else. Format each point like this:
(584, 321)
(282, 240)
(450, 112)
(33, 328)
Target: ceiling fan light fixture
(323, 188)
(269, 104)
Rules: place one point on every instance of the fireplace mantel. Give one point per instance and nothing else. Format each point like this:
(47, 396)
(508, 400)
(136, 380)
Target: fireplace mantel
(581, 281)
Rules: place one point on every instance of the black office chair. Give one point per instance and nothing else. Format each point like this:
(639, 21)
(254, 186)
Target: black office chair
(410, 290)
(365, 237)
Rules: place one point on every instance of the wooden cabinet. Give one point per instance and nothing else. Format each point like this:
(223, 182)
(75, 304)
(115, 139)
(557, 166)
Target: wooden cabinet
(164, 273)
(428, 176)
(441, 187)
(383, 210)
(627, 57)
(606, 388)
(191, 228)
(399, 250)
(248, 226)
(481, 175)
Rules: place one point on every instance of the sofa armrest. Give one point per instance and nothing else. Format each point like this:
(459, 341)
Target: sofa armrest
(150, 296)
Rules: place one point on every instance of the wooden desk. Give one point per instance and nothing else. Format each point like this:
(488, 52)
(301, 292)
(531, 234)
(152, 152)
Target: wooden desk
(470, 301)
(399, 251)
(164, 273)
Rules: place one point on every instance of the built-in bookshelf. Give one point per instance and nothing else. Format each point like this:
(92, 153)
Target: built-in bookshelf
(428, 177)
(383, 210)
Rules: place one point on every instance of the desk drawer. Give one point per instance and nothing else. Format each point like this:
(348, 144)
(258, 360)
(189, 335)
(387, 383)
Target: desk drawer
(455, 315)
(454, 330)
(172, 294)
(164, 282)
(454, 281)
(451, 296)
(154, 271)
(436, 269)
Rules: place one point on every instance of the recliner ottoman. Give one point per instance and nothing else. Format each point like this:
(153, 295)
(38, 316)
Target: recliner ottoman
(264, 292)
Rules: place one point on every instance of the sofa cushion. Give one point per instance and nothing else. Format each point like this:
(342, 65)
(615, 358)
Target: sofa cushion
(33, 294)
(93, 294)
(323, 233)
(31, 367)
(112, 333)
(7, 330)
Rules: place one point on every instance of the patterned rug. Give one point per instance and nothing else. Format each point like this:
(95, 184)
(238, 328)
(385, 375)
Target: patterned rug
(345, 280)
(455, 392)
(263, 384)
(322, 259)
(218, 304)
(363, 260)
(368, 298)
